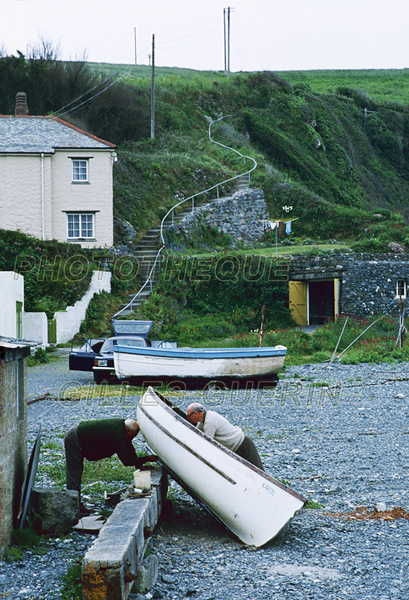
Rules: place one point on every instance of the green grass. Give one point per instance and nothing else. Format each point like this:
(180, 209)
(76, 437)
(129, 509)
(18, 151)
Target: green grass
(382, 85)
(108, 474)
(72, 586)
(285, 250)
(313, 505)
(21, 540)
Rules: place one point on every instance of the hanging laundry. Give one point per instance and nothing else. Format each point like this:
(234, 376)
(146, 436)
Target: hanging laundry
(288, 227)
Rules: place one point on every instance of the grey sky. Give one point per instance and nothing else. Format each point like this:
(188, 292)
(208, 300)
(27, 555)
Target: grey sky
(265, 34)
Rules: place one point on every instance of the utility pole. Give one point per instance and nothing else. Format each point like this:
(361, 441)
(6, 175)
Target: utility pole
(228, 39)
(224, 27)
(134, 36)
(153, 89)
(227, 66)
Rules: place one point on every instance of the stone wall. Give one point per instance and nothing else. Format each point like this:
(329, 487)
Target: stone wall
(69, 320)
(368, 281)
(13, 435)
(239, 216)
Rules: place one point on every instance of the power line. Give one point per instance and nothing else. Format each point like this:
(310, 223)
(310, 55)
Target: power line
(59, 112)
(82, 95)
(163, 46)
(92, 97)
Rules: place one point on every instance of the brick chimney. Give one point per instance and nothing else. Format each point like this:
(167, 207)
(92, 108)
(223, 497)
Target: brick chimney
(21, 104)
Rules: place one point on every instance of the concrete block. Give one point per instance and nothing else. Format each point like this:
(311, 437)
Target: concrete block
(147, 574)
(115, 559)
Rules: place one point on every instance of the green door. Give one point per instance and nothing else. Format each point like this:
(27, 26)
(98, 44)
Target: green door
(52, 331)
(19, 320)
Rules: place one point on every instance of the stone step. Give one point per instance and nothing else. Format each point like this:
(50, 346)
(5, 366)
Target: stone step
(143, 294)
(150, 247)
(145, 252)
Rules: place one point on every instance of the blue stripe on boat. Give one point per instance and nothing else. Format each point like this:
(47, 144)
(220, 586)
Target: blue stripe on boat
(204, 352)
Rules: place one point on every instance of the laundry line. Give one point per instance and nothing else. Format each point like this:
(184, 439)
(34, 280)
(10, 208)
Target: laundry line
(274, 224)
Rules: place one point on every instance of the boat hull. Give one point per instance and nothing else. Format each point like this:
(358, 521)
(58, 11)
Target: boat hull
(250, 503)
(199, 364)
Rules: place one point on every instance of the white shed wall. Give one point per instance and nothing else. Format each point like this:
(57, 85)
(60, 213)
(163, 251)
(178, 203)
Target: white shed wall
(11, 291)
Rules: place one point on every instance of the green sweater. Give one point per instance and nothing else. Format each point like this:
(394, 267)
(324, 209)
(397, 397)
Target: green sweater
(100, 438)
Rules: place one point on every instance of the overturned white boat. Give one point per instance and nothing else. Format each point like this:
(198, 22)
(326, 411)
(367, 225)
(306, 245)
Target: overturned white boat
(198, 364)
(250, 503)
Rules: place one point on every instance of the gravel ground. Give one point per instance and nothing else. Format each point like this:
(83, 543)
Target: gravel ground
(337, 435)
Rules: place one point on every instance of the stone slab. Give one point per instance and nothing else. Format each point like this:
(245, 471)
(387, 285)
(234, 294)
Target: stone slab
(114, 560)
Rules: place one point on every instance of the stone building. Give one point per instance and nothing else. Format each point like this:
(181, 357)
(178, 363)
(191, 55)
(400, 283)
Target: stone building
(321, 287)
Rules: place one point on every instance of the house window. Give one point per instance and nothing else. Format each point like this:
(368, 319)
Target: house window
(79, 170)
(401, 288)
(80, 226)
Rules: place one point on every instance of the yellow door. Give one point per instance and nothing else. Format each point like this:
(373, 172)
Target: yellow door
(298, 301)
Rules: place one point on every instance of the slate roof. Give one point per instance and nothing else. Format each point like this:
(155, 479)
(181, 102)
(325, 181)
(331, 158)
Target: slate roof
(28, 134)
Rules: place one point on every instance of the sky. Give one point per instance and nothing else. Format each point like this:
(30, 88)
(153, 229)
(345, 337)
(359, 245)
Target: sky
(276, 35)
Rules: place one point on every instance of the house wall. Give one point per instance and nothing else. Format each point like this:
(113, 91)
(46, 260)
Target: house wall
(21, 192)
(96, 195)
(368, 281)
(37, 190)
(13, 437)
(11, 291)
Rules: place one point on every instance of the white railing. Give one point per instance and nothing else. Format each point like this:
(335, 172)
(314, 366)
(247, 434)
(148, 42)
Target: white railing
(192, 199)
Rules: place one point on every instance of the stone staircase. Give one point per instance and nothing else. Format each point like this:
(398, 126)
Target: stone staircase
(148, 246)
(145, 252)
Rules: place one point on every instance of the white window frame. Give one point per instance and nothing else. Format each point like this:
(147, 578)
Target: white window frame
(401, 285)
(82, 226)
(80, 170)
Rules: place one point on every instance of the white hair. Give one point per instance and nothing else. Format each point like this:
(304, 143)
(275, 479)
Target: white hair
(132, 425)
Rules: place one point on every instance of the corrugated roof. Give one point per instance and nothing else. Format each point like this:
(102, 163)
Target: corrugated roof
(13, 343)
(27, 134)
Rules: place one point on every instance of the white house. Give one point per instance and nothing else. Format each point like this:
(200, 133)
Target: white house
(55, 179)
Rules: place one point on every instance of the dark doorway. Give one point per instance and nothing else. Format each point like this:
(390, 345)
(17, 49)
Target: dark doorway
(321, 302)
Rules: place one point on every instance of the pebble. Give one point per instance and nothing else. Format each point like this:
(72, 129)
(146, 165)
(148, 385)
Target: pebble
(338, 436)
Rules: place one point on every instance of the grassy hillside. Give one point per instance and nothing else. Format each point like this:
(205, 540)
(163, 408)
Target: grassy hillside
(380, 85)
(331, 145)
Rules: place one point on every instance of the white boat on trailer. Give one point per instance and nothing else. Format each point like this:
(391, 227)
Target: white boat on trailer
(198, 364)
(249, 502)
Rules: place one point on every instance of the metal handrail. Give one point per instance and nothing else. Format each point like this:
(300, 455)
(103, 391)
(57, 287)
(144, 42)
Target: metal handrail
(170, 211)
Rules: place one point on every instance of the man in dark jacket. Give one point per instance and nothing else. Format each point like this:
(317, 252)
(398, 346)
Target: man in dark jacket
(97, 439)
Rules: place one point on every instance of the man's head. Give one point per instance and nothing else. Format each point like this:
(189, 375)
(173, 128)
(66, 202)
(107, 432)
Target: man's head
(195, 413)
(131, 429)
